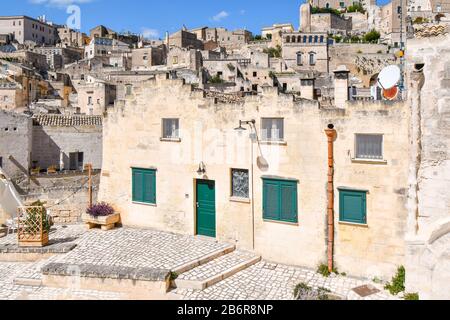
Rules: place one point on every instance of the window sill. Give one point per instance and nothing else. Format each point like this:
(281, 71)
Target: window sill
(241, 200)
(145, 204)
(354, 224)
(274, 143)
(369, 161)
(170, 139)
(294, 224)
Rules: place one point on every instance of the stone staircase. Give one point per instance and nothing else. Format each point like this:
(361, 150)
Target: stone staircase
(215, 270)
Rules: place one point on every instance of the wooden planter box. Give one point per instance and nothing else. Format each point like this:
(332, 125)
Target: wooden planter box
(27, 240)
(105, 223)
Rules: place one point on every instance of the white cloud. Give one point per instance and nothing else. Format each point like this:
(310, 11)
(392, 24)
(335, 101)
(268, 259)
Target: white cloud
(220, 16)
(59, 3)
(150, 33)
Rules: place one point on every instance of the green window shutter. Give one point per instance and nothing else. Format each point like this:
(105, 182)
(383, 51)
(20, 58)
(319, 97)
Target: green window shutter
(288, 201)
(352, 206)
(271, 200)
(144, 185)
(280, 200)
(138, 186)
(150, 187)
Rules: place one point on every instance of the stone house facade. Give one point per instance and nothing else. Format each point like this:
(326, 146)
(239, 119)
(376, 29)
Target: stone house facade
(306, 51)
(67, 142)
(164, 173)
(24, 28)
(275, 33)
(145, 58)
(94, 96)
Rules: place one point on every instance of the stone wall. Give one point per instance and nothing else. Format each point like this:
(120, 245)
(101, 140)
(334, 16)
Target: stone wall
(66, 195)
(15, 143)
(50, 141)
(328, 22)
(364, 60)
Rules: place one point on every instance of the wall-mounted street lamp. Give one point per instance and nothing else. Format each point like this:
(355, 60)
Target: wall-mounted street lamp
(241, 123)
(201, 168)
(240, 129)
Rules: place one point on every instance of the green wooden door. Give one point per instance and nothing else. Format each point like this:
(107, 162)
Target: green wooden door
(206, 208)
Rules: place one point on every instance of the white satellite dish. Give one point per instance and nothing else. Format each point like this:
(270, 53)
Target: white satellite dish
(389, 77)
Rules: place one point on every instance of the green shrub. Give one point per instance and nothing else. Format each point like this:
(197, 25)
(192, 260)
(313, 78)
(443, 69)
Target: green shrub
(315, 10)
(301, 287)
(397, 284)
(356, 7)
(33, 218)
(411, 296)
(420, 20)
(372, 36)
(323, 270)
(273, 52)
(216, 79)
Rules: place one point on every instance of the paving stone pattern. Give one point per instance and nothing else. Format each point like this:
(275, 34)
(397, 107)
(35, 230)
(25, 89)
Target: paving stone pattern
(266, 281)
(135, 248)
(138, 248)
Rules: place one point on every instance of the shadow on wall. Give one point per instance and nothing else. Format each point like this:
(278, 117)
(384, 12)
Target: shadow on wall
(45, 151)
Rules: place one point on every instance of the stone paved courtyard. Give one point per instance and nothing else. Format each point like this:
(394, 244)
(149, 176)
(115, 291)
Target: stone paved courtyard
(268, 281)
(140, 248)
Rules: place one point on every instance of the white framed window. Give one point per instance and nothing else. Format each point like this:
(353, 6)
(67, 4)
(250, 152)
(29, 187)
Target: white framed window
(170, 128)
(369, 146)
(272, 129)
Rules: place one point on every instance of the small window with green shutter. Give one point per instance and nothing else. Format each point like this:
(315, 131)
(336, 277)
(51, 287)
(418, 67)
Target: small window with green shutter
(352, 206)
(144, 185)
(280, 200)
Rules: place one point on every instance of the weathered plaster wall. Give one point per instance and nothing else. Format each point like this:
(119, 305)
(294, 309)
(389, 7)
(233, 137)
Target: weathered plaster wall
(66, 195)
(49, 141)
(15, 131)
(207, 135)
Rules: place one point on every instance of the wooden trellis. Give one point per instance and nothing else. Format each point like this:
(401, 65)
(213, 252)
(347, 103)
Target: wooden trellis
(31, 226)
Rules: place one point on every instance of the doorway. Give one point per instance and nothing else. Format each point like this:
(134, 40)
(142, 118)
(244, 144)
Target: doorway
(206, 208)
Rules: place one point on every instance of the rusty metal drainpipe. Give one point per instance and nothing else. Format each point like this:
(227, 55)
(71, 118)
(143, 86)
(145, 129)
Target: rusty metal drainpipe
(331, 135)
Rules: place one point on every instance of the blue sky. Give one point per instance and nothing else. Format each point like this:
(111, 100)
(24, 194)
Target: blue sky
(153, 17)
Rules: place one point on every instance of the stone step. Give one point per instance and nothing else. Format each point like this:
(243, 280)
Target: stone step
(28, 282)
(216, 270)
(203, 260)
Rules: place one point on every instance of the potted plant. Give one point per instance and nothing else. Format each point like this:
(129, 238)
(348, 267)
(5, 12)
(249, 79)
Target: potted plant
(34, 225)
(101, 214)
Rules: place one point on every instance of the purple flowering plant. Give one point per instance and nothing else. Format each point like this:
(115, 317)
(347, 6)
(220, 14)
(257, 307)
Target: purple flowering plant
(100, 210)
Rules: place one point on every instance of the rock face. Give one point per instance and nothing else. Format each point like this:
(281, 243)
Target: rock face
(428, 240)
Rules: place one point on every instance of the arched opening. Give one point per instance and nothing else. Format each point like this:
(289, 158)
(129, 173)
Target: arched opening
(299, 58)
(312, 58)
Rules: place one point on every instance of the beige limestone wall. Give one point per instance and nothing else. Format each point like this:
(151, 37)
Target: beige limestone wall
(375, 250)
(207, 136)
(428, 239)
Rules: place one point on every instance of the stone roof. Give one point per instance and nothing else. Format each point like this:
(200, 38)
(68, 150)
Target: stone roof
(58, 120)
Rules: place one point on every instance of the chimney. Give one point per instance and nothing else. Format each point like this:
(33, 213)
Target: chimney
(341, 86)
(307, 88)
